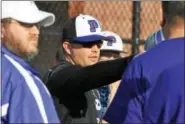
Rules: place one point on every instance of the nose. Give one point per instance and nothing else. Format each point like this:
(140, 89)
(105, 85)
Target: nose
(35, 30)
(95, 48)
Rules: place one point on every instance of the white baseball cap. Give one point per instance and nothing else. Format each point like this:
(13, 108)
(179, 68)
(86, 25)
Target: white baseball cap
(116, 44)
(82, 28)
(26, 12)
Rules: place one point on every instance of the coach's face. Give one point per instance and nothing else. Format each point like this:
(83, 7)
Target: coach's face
(109, 55)
(20, 38)
(85, 54)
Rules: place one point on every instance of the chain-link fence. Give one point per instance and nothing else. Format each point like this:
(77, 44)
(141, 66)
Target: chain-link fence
(116, 16)
(50, 36)
(150, 18)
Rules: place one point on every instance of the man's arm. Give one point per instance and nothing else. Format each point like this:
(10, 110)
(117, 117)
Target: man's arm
(76, 78)
(126, 106)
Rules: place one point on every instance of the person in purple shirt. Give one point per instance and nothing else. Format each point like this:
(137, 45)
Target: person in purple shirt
(25, 98)
(152, 90)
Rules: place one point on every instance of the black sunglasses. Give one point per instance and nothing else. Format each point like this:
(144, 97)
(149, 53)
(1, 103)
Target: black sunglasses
(89, 44)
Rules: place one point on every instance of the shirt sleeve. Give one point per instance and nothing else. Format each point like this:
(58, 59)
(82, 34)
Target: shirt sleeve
(74, 78)
(127, 105)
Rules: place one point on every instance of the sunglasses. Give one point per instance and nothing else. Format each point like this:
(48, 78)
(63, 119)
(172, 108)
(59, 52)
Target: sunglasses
(89, 44)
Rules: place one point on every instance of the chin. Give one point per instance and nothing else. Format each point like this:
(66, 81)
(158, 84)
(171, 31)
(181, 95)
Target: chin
(31, 54)
(32, 50)
(92, 63)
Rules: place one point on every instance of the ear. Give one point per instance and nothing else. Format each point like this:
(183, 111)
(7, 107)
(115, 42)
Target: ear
(67, 47)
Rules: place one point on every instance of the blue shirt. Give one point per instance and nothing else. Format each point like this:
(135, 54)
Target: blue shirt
(142, 78)
(166, 101)
(25, 99)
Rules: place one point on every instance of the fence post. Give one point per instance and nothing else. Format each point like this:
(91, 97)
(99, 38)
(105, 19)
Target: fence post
(136, 25)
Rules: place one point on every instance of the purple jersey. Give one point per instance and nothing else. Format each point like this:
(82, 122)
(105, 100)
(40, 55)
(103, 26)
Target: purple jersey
(141, 98)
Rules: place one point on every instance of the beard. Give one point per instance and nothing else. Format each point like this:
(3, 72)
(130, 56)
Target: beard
(22, 51)
(31, 56)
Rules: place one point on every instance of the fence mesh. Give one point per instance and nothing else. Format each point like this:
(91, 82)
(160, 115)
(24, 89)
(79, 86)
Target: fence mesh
(116, 16)
(150, 18)
(50, 36)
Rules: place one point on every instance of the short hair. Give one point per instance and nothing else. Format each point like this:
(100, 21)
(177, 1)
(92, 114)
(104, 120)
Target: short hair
(172, 9)
(6, 20)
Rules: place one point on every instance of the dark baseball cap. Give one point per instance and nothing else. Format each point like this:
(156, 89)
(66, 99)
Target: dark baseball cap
(83, 29)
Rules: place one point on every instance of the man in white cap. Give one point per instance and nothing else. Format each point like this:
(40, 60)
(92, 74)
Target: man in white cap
(111, 49)
(25, 99)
